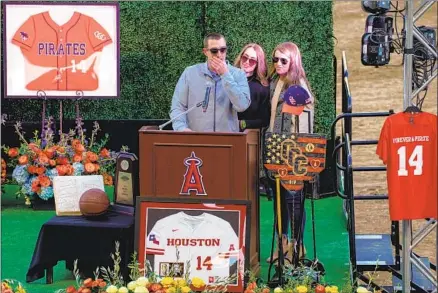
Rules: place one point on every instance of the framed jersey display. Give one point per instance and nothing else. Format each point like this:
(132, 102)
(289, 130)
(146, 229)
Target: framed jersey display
(61, 49)
(195, 238)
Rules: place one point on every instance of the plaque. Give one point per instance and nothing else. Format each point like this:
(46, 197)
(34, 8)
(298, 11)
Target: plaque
(126, 179)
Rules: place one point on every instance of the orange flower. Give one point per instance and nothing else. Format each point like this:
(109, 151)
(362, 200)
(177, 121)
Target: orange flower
(13, 152)
(61, 170)
(52, 163)
(43, 158)
(32, 169)
(70, 289)
(22, 160)
(40, 170)
(77, 158)
(88, 282)
(107, 179)
(79, 148)
(89, 167)
(102, 284)
(75, 142)
(96, 167)
(44, 180)
(50, 152)
(36, 187)
(104, 153)
(34, 147)
(69, 170)
(92, 156)
(62, 160)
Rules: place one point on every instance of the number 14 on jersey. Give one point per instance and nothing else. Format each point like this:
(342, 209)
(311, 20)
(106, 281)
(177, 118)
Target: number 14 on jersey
(415, 160)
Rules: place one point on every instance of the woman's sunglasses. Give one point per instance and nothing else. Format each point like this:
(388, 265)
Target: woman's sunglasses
(251, 62)
(216, 50)
(284, 61)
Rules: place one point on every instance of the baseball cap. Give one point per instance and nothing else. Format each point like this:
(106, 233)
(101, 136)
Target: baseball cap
(295, 98)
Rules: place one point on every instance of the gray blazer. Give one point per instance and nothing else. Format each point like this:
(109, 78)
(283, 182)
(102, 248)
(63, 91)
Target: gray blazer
(229, 94)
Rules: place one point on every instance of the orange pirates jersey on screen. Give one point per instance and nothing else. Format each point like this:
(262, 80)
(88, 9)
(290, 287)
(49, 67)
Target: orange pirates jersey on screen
(408, 146)
(64, 56)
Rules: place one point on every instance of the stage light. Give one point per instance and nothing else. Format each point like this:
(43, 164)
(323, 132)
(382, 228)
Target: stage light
(374, 52)
(376, 40)
(376, 7)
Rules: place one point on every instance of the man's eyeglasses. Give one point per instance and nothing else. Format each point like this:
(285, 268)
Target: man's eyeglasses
(284, 61)
(251, 62)
(216, 50)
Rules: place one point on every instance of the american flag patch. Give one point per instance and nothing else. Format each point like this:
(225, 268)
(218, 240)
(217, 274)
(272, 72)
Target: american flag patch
(295, 157)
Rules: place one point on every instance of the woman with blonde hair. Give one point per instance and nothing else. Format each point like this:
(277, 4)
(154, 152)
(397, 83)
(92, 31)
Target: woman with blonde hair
(252, 61)
(290, 115)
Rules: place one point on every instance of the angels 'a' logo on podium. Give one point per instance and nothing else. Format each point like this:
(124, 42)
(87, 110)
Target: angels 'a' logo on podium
(193, 178)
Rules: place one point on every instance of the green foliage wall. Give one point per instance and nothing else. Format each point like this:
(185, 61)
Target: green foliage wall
(159, 39)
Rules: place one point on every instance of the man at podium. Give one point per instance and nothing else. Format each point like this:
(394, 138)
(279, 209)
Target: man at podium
(218, 88)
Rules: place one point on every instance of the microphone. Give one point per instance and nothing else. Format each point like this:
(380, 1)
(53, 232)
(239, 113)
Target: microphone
(207, 97)
(199, 104)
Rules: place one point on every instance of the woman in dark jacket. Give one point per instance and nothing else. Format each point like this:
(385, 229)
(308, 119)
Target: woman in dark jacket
(252, 60)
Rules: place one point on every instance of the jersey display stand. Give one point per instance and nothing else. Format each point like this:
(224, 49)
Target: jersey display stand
(293, 159)
(203, 165)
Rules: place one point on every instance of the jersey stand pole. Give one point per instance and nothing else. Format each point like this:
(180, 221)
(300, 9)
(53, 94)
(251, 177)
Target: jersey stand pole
(280, 261)
(407, 101)
(278, 223)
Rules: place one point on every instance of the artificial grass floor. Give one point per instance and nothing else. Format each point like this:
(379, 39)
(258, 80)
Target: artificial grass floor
(20, 227)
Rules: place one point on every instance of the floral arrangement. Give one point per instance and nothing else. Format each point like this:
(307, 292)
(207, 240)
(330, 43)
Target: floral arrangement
(36, 162)
(143, 280)
(12, 286)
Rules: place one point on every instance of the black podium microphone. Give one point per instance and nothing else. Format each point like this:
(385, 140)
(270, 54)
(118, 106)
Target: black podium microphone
(207, 96)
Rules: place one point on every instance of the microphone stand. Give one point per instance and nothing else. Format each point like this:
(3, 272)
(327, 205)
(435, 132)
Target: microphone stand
(179, 115)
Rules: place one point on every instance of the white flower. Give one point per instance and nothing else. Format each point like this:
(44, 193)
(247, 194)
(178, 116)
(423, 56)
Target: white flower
(140, 289)
(132, 285)
(111, 289)
(142, 281)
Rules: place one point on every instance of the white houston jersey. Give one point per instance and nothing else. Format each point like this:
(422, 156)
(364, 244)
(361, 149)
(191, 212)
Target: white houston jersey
(207, 241)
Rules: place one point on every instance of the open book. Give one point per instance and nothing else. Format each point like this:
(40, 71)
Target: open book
(69, 189)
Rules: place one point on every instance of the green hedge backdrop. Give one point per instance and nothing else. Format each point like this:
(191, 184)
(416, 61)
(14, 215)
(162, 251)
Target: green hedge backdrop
(159, 39)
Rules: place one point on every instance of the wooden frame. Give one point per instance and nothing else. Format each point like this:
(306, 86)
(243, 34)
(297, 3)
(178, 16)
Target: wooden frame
(200, 233)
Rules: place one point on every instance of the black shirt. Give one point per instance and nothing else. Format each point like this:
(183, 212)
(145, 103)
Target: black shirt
(257, 115)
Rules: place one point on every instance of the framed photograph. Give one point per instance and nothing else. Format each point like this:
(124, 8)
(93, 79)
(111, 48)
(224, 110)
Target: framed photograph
(196, 238)
(61, 49)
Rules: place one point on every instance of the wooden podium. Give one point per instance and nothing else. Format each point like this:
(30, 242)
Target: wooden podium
(229, 169)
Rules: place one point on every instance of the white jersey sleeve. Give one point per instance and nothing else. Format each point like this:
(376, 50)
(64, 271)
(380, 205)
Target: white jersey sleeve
(156, 239)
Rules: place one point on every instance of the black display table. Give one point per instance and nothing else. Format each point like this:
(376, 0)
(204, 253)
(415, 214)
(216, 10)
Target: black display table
(90, 240)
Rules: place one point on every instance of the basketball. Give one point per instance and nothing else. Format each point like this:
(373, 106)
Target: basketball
(93, 202)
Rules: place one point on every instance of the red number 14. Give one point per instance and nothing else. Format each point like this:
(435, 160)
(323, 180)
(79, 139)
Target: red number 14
(205, 263)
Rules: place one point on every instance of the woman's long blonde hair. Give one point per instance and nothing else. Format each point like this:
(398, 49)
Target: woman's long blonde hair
(261, 67)
(296, 71)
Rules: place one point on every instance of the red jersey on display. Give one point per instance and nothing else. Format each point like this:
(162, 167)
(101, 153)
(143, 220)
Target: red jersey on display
(408, 146)
(63, 57)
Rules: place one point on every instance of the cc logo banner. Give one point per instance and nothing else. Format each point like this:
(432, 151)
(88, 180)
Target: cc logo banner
(99, 36)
